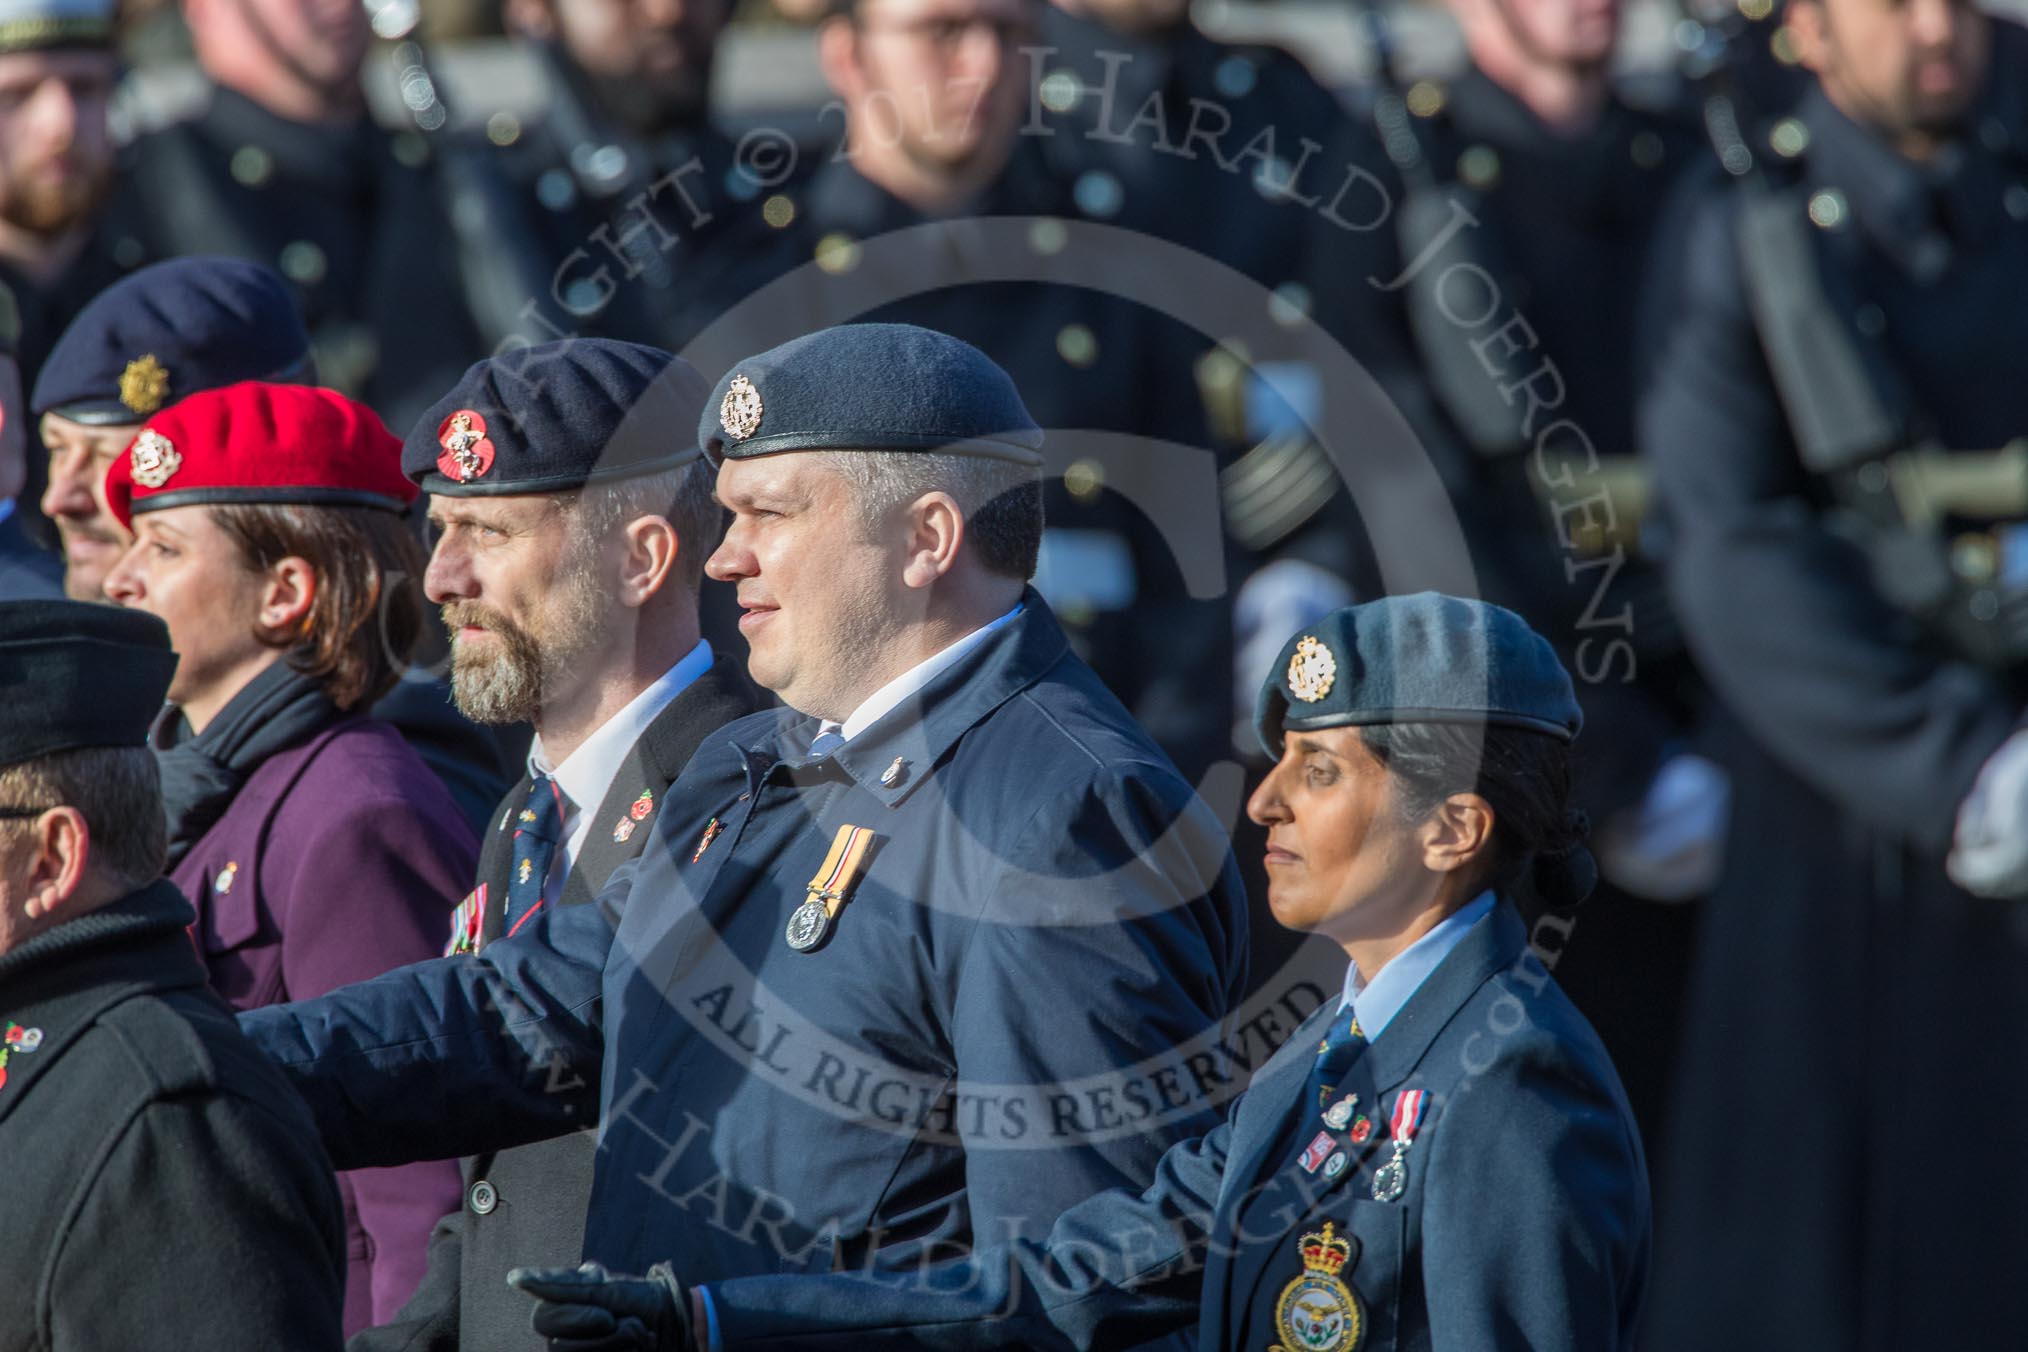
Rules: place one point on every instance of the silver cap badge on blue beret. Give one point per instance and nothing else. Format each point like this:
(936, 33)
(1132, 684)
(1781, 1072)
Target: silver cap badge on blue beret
(739, 413)
(1312, 669)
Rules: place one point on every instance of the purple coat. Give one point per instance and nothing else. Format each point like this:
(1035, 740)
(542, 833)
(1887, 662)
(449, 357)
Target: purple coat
(339, 859)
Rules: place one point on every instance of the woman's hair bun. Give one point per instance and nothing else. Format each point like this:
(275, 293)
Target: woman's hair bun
(1566, 874)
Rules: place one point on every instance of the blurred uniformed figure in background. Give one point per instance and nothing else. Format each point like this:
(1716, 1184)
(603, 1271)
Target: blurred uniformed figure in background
(620, 212)
(57, 71)
(1238, 153)
(1144, 113)
(164, 1183)
(283, 165)
(934, 93)
(1834, 412)
(1527, 195)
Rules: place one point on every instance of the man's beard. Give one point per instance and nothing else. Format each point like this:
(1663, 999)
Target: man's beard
(44, 206)
(517, 681)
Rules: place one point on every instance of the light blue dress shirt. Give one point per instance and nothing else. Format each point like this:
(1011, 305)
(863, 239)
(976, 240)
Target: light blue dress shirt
(1376, 1002)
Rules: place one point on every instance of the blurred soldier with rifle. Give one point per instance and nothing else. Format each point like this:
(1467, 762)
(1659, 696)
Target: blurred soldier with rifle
(283, 165)
(1527, 193)
(1833, 411)
(623, 211)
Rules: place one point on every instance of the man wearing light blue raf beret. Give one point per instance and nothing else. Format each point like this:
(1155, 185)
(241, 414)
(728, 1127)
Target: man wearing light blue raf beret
(1442, 1159)
(914, 964)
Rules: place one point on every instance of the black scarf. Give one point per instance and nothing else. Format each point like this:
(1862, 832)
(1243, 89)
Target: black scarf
(201, 774)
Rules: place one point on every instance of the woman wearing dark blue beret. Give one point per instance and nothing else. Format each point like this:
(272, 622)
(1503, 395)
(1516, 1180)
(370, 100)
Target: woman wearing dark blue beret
(1442, 1159)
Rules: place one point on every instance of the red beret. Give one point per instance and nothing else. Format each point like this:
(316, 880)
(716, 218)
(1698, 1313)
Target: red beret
(256, 442)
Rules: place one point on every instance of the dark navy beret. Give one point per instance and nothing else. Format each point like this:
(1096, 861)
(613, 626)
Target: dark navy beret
(869, 387)
(169, 331)
(79, 675)
(557, 416)
(1427, 658)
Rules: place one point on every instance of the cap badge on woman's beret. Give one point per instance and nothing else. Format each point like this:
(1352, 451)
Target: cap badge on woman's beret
(144, 385)
(156, 460)
(1311, 670)
(468, 452)
(739, 413)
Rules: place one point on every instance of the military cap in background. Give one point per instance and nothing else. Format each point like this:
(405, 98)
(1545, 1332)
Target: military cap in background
(79, 675)
(557, 416)
(38, 25)
(1426, 658)
(254, 442)
(168, 332)
(869, 387)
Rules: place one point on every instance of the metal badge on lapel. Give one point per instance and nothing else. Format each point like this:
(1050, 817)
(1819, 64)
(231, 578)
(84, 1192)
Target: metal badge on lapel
(623, 830)
(711, 830)
(1340, 1113)
(1316, 1151)
(1391, 1180)
(18, 1039)
(222, 884)
(1318, 1312)
(811, 921)
(893, 773)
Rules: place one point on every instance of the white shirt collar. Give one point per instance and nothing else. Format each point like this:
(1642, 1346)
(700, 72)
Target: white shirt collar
(876, 705)
(587, 772)
(1376, 1002)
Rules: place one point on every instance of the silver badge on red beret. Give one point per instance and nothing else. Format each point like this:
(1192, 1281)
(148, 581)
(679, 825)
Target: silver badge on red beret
(155, 460)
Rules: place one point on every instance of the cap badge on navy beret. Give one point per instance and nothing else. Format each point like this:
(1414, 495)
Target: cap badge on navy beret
(468, 452)
(144, 385)
(155, 459)
(739, 413)
(1312, 669)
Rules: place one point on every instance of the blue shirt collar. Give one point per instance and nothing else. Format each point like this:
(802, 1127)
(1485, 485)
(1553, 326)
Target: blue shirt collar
(1376, 1002)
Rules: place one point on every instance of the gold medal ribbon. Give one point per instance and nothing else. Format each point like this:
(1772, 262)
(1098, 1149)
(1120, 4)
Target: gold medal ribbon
(841, 867)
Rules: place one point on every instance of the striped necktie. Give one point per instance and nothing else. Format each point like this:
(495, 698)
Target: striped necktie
(537, 828)
(1340, 1048)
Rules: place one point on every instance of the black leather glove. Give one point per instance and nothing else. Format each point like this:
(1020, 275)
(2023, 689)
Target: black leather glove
(587, 1309)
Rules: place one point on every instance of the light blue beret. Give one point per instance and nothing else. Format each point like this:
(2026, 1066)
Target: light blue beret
(1427, 658)
(869, 387)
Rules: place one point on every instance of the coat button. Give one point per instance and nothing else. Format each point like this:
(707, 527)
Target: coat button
(483, 1198)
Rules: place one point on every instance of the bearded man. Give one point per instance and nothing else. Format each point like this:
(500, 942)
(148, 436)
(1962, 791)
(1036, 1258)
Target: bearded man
(572, 528)
(58, 68)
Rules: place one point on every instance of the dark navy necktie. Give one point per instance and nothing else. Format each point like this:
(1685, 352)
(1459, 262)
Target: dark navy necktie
(1340, 1048)
(537, 828)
